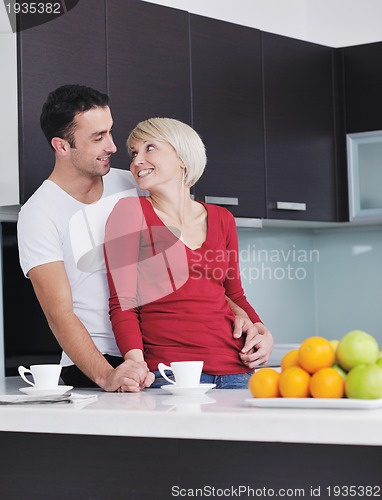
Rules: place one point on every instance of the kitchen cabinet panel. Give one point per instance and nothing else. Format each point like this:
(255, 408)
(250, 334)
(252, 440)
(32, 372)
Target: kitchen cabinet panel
(148, 66)
(27, 336)
(301, 161)
(363, 82)
(228, 114)
(69, 49)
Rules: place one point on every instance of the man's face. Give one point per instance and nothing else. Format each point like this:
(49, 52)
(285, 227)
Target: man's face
(93, 141)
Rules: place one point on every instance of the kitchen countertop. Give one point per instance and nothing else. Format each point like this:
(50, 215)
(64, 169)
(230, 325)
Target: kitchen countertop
(218, 415)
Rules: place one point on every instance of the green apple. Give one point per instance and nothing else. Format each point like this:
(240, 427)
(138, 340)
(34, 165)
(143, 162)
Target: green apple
(364, 382)
(356, 348)
(379, 362)
(340, 370)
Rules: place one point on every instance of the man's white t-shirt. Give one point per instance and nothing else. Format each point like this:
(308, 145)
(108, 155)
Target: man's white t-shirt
(53, 226)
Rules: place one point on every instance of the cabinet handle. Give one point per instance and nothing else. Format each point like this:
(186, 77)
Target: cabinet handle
(221, 200)
(246, 222)
(290, 205)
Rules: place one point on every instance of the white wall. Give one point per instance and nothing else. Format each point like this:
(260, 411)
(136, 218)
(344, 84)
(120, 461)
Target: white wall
(335, 23)
(9, 170)
(2, 360)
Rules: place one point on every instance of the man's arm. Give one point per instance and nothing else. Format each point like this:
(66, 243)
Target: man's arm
(53, 291)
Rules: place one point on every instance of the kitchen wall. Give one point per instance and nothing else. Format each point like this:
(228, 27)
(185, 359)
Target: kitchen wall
(277, 283)
(9, 178)
(336, 23)
(314, 282)
(349, 281)
(2, 361)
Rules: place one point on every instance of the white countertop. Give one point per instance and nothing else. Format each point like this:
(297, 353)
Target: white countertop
(219, 415)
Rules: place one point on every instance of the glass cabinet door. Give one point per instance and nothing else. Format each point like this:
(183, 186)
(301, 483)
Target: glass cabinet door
(364, 151)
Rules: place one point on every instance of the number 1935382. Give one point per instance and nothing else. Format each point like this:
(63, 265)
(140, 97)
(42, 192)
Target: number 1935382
(34, 8)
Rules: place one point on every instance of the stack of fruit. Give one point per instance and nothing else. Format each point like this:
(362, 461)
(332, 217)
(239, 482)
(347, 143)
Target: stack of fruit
(321, 368)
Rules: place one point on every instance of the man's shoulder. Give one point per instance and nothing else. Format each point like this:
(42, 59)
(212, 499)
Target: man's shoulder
(118, 179)
(125, 177)
(39, 199)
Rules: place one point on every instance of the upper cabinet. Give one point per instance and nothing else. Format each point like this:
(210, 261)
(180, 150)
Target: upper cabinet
(365, 175)
(228, 114)
(148, 66)
(268, 107)
(362, 77)
(69, 49)
(301, 158)
(362, 65)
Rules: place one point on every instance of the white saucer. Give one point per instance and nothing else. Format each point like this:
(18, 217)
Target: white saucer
(199, 389)
(60, 389)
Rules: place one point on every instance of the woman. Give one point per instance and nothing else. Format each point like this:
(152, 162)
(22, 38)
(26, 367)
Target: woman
(172, 262)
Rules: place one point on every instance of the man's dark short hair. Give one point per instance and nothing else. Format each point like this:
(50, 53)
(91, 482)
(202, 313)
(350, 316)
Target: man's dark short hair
(61, 107)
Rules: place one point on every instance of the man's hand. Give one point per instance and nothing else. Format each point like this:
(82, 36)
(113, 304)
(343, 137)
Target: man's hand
(258, 343)
(130, 376)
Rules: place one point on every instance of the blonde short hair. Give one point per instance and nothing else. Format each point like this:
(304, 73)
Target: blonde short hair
(186, 142)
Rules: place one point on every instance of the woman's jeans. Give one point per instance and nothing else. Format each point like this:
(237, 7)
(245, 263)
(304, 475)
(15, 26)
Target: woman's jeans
(236, 381)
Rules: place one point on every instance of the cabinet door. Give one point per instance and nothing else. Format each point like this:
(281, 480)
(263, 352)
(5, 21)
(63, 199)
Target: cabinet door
(299, 130)
(228, 114)
(27, 336)
(69, 49)
(148, 66)
(363, 84)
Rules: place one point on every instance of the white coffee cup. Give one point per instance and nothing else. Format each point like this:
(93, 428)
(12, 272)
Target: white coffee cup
(44, 376)
(186, 373)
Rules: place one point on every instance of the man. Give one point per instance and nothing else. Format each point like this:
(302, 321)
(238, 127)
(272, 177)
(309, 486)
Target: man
(60, 232)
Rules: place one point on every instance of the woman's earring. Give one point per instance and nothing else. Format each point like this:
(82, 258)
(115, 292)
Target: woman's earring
(183, 176)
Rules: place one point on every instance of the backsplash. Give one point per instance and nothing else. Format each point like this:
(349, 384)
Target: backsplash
(314, 282)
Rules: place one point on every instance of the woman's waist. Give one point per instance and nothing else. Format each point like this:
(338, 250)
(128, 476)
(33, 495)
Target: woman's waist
(216, 362)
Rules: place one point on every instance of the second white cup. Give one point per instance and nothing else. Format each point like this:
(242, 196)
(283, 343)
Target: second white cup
(44, 376)
(186, 373)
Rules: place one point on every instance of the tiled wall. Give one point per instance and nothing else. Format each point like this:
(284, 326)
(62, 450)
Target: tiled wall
(305, 282)
(349, 281)
(1, 312)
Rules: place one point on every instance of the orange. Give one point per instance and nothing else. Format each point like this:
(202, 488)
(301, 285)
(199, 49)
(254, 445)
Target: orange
(264, 383)
(315, 353)
(289, 359)
(327, 383)
(294, 383)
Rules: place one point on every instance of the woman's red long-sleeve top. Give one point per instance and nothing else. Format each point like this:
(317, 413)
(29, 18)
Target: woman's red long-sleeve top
(169, 300)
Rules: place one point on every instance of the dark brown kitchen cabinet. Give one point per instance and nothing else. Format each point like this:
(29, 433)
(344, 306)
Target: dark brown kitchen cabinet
(228, 114)
(27, 336)
(302, 163)
(266, 106)
(148, 66)
(362, 65)
(69, 49)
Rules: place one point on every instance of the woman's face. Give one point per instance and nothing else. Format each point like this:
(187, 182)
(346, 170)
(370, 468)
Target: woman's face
(155, 163)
